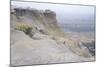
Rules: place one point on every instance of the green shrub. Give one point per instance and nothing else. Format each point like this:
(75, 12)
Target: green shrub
(26, 28)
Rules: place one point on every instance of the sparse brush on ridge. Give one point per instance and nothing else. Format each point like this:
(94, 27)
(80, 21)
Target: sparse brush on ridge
(26, 28)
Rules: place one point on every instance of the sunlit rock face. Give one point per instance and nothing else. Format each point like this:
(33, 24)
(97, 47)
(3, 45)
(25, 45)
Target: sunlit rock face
(38, 18)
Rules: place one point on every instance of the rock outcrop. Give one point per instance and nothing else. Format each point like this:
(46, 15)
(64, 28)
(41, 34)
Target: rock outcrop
(41, 20)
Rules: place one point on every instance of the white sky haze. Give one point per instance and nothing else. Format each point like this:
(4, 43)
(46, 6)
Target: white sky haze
(65, 13)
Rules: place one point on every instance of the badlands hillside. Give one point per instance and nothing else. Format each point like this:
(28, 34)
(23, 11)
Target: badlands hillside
(37, 38)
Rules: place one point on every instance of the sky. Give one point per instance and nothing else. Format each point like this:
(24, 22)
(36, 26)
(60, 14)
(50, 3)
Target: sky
(66, 14)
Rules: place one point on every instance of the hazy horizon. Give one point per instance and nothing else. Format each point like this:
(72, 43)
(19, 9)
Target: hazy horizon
(66, 14)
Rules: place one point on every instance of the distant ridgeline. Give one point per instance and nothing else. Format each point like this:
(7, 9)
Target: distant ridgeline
(78, 27)
(39, 19)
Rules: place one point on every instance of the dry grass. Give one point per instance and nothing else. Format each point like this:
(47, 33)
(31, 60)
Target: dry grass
(26, 28)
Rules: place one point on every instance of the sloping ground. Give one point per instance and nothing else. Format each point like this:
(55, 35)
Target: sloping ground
(52, 46)
(26, 51)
